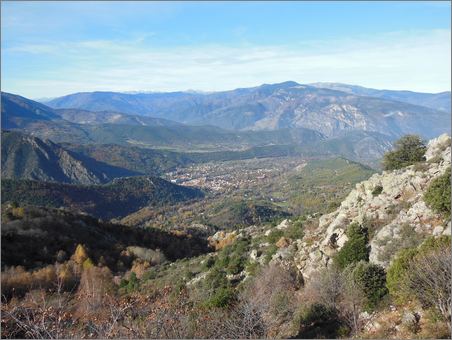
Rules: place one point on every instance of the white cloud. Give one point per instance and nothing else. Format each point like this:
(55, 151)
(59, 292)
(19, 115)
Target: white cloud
(418, 61)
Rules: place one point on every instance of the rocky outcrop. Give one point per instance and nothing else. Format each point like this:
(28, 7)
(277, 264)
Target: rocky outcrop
(390, 204)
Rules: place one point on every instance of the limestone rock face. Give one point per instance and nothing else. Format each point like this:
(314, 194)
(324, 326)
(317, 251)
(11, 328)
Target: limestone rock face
(396, 217)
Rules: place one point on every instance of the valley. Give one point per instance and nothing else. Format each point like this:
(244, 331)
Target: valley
(226, 170)
(296, 216)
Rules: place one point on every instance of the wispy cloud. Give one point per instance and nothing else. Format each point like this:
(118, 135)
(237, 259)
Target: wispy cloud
(399, 60)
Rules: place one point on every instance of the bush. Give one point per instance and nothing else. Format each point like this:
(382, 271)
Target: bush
(377, 190)
(88, 263)
(408, 150)
(318, 313)
(133, 283)
(233, 257)
(355, 249)
(318, 322)
(372, 280)
(399, 272)
(208, 263)
(274, 236)
(130, 285)
(222, 298)
(294, 231)
(437, 195)
(269, 253)
(80, 254)
(151, 274)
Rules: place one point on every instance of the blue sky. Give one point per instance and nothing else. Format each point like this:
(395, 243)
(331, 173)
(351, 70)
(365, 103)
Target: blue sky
(55, 48)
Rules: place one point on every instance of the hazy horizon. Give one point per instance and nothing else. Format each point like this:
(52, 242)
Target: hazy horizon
(207, 92)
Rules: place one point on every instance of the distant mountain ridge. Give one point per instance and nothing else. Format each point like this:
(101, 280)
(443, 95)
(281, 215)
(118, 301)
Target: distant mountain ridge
(81, 126)
(438, 101)
(20, 112)
(284, 105)
(109, 117)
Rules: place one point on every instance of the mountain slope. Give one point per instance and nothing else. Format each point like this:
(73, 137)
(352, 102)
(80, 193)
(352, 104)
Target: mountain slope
(117, 199)
(26, 157)
(439, 101)
(33, 236)
(18, 111)
(274, 106)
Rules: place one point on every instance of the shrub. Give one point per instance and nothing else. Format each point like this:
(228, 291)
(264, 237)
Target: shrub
(88, 263)
(154, 257)
(319, 321)
(397, 272)
(222, 298)
(372, 280)
(233, 257)
(151, 274)
(437, 195)
(272, 294)
(408, 150)
(318, 313)
(132, 283)
(400, 271)
(252, 268)
(294, 231)
(377, 190)
(80, 254)
(355, 249)
(269, 253)
(208, 263)
(274, 236)
(140, 267)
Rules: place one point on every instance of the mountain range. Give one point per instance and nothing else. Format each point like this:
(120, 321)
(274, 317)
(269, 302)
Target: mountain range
(81, 126)
(269, 120)
(329, 109)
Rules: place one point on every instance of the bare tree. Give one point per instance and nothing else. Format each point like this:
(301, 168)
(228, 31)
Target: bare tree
(36, 317)
(352, 301)
(325, 287)
(429, 279)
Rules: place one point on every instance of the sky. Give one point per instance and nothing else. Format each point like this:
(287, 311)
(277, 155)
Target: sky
(52, 48)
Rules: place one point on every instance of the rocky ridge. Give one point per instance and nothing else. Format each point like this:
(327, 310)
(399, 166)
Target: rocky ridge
(391, 205)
